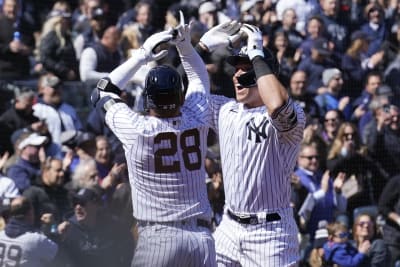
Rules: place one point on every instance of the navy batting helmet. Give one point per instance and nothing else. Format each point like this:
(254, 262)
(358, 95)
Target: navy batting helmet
(163, 89)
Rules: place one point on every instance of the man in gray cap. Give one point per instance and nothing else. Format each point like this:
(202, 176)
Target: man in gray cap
(332, 98)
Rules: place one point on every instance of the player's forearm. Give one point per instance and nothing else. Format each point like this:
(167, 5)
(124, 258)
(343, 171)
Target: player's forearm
(123, 73)
(196, 71)
(272, 92)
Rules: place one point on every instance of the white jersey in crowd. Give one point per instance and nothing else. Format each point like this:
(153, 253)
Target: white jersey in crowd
(165, 157)
(30, 249)
(258, 153)
(59, 119)
(8, 189)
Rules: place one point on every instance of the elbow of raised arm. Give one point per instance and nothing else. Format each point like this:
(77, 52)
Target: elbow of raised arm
(274, 104)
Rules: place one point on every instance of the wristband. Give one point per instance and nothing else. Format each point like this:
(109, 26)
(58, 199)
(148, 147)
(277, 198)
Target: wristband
(255, 53)
(398, 221)
(261, 67)
(105, 84)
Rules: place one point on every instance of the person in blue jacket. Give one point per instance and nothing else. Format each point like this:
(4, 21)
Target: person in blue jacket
(338, 250)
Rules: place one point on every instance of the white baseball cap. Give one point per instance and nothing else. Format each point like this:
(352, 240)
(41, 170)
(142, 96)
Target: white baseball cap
(207, 7)
(247, 5)
(32, 140)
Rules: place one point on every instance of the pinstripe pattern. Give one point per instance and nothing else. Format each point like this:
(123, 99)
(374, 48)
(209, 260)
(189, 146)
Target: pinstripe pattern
(165, 158)
(266, 244)
(258, 153)
(162, 197)
(256, 175)
(175, 246)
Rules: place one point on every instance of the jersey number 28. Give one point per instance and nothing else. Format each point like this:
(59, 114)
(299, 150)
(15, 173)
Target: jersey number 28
(160, 167)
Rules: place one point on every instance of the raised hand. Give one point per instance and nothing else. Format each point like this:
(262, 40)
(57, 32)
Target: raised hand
(221, 35)
(181, 33)
(364, 246)
(339, 181)
(325, 181)
(148, 48)
(254, 41)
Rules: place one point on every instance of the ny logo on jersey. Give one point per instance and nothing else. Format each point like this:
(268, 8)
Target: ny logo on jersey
(257, 128)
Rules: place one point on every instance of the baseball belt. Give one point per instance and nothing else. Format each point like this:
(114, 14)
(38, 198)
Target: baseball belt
(253, 218)
(199, 222)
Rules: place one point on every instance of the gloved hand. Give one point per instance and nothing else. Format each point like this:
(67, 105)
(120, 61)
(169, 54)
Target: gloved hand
(221, 35)
(147, 50)
(254, 40)
(181, 33)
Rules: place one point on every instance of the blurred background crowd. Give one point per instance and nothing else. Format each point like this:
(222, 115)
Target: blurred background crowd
(339, 59)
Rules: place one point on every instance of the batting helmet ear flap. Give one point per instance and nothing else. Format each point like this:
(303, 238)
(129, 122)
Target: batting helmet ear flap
(145, 105)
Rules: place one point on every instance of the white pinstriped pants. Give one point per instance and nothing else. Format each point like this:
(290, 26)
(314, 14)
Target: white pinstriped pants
(268, 244)
(169, 245)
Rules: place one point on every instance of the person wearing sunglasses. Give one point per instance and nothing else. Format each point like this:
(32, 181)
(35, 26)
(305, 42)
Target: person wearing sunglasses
(91, 236)
(364, 229)
(259, 134)
(338, 250)
(383, 140)
(324, 200)
(332, 120)
(364, 180)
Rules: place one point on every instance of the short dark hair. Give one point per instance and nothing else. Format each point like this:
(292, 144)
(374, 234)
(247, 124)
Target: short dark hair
(372, 74)
(20, 207)
(316, 17)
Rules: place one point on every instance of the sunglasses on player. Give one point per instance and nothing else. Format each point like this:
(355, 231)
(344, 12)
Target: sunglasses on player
(247, 79)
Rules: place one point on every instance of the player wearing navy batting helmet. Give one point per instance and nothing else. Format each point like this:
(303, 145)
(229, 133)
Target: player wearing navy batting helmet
(163, 89)
(259, 135)
(165, 151)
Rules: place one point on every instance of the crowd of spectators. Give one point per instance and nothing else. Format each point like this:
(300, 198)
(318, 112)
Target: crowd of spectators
(340, 60)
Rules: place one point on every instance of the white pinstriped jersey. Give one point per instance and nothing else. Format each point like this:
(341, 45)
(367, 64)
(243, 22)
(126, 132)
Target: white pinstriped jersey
(29, 249)
(166, 163)
(165, 159)
(258, 153)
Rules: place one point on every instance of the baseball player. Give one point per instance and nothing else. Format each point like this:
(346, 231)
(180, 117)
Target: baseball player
(20, 244)
(259, 136)
(165, 151)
